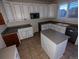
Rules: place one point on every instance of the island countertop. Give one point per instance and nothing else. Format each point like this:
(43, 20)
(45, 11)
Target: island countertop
(55, 36)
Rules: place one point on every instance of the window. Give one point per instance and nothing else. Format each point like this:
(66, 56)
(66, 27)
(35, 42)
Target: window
(73, 9)
(68, 9)
(63, 10)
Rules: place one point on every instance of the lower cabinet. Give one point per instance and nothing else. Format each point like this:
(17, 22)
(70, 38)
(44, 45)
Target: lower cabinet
(11, 39)
(54, 51)
(25, 33)
(45, 26)
(58, 28)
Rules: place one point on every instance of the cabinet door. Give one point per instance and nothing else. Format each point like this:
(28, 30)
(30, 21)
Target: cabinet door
(45, 26)
(53, 10)
(9, 12)
(31, 9)
(41, 11)
(53, 26)
(25, 33)
(45, 11)
(25, 12)
(18, 14)
(61, 29)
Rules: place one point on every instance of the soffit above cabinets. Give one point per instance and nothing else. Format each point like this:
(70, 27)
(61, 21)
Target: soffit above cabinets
(35, 1)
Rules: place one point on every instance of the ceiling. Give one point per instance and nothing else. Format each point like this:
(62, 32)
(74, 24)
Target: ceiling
(35, 1)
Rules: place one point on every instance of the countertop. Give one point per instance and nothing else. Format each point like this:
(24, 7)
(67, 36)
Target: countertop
(55, 22)
(55, 36)
(10, 30)
(8, 53)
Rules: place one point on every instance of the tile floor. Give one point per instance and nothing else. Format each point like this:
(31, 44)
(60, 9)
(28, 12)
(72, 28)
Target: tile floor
(31, 49)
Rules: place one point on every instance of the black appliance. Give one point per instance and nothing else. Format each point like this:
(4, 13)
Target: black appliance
(34, 15)
(73, 33)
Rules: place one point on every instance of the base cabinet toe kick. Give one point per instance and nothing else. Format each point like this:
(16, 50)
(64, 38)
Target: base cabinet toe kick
(53, 46)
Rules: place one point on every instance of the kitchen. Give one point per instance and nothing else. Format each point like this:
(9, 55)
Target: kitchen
(22, 19)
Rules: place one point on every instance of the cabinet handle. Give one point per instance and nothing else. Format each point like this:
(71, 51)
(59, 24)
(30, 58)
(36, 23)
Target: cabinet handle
(71, 30)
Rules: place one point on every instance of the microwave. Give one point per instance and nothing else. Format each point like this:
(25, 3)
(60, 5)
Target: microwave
(34, 15)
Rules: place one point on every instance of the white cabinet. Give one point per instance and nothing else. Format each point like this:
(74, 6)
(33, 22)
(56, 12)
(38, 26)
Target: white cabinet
(18, 14)
(41, 11)
(45, 11)
(25, 12)
(45, 26)
(25, 33)
(61, 29)
(55, 27)
(17, 11)
(52, 10)
(53, 50)
(9, 13)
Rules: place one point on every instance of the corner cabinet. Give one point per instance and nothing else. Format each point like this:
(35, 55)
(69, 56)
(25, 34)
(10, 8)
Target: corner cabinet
(25, 33)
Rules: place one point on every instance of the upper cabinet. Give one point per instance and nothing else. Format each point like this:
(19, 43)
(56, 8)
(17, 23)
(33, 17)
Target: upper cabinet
(1, 20)
(53, 10)
(17, 12)
(25, 12)
(21, 11)
(9, 12)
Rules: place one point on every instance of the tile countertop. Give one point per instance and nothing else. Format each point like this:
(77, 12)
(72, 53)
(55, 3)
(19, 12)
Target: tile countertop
(10, 30)
(55, 36)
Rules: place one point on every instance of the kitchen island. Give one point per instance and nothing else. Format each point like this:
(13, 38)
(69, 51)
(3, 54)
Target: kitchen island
(54, 43)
